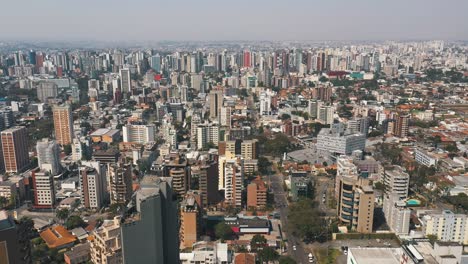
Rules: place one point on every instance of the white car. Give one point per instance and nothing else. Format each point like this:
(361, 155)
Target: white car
(294, 247)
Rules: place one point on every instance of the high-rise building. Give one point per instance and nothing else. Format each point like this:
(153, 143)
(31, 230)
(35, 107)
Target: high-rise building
(249, 149)
(190, 221)
(396, 181)
(256, 193)
(48, 156)
(225, 116)
(63, 124)
(120, 178)
(401, 125)
(397, 215)
(196, 120)
(335, 140)
(139, 133)
(156, 220)
(215, 97)
(234, 182)
(265, 102)
(447, 226)
(314, 107)
(92, 186)
(15, 149)
(207, 133)
(156, 63)
(356, 203)
(207, 174)
(325, 114)
(14, 245)
(106, 247)
(46, 90)
(125, 81)
(178, 169)
(44, 189)
(322, 93)
(7, 118)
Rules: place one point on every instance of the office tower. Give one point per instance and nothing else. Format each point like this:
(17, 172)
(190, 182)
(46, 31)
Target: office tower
(139, 133)
(120, 180)
(447, 226)
(48, 156)
(156, 63)
(190, 221)
(396, 181)
(234, 182)
(92, 186)
(336, 141)
(106, 247)
(125, 81)
(401, 125)
(7, 119)
(225, 116)
(15, 149)
(63, 124)
(46, 90)
(256, 193)
(207, 133)
(44, 189)
(32, 57)
(15, 245)
(249, 149)
(325, 114)
(215, 98)
(156, 220)
(397, 215)
(356, 193)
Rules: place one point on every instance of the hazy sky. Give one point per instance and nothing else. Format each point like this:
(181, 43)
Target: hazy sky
(157, 20)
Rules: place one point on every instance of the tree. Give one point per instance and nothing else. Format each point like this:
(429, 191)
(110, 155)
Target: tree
(286, 260)
(285, 117)
(63, 214)
(3, 201)
(74, 221)
(67, 149)
(263, 165)
(267, 254)
(258, 241)
(323, 79)
(451, 148)
(311, 227)
(223, 231)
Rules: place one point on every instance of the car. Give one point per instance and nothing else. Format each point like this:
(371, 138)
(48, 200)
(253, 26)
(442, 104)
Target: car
(294, 247)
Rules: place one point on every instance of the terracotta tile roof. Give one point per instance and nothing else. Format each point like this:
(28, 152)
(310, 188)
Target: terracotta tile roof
(57, 236)
(245, 258)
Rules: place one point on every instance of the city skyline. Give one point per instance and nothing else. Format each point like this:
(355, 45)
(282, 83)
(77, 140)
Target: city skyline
(208, 20)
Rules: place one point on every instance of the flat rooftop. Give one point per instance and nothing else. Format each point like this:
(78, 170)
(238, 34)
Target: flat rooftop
(377, 255)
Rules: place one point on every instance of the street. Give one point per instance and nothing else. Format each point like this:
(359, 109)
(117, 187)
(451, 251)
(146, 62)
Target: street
(300, 255)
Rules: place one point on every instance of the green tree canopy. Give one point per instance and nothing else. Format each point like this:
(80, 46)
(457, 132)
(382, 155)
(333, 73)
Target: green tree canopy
(74, 221)
(223, 231)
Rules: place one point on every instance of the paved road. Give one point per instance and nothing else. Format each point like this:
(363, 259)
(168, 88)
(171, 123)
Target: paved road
(300, 254)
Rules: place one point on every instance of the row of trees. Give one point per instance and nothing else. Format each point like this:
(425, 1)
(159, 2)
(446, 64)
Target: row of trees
(310, 228)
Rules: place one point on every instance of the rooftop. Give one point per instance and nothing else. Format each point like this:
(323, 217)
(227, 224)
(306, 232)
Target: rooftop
(377, 255)
(57, 236)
